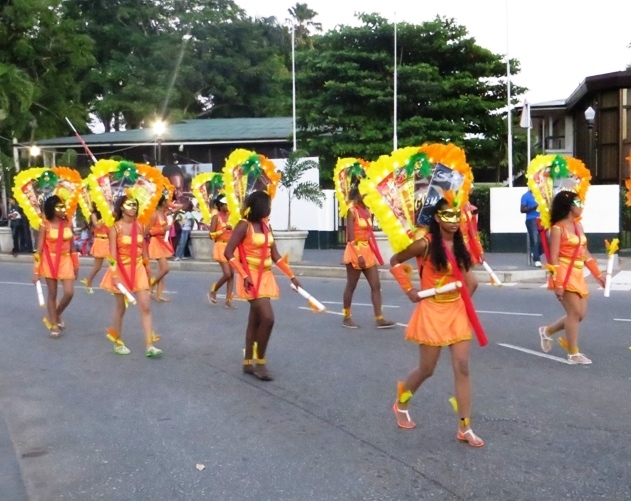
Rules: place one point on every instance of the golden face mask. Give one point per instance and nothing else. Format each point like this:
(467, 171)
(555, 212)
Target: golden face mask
(449, 215)
(60, 207)
(577, 203)
(130, 205)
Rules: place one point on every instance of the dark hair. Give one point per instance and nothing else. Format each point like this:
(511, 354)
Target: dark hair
(217, 202)
(161, 201)
(437, 251)
(49, 206)
(259, 203)
(118, 207)
(96, 211)
(562, 205)
(171, 170)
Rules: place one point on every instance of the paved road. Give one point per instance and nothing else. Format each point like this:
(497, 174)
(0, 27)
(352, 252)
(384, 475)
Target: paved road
(85, 424)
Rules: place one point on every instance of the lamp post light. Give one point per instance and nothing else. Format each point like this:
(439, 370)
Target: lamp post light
(33, 152)
(158, 127)
(590, 114)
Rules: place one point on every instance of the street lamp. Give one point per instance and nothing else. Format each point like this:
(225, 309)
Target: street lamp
(590, 114)
(158, 127)
(33, 152)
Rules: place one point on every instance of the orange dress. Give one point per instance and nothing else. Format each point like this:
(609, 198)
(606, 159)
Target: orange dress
(221, 240)
(360, 247)
(52, 265)
(158, 248)
(133, 282)
(440, 320)
(569, 242)
(101, 245)
(253, 248)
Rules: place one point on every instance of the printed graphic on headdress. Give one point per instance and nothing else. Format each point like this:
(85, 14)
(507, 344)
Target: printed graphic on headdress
(32, 187)
(111, 179)
(246, 171)
(549, 174)
(347, 175)
(206, 187)
(401, 188)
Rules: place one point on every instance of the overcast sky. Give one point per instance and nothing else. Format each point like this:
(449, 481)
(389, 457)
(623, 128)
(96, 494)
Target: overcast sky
(558, 42)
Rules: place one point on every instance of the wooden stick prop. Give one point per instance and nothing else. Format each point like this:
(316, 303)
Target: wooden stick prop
(40, 294)
(612, 248)
(440, 290)
(316, 305)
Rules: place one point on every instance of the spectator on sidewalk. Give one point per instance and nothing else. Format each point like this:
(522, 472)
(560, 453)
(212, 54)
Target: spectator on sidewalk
(529, 207)
(187, 227)
(16, 218)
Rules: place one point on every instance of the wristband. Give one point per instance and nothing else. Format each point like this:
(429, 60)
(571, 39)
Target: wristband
(36, 263)
(402, 273)
(283, 265)
(236, 265)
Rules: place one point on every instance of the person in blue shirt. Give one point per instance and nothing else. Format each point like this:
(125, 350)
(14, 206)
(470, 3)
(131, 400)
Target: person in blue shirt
(529, 207)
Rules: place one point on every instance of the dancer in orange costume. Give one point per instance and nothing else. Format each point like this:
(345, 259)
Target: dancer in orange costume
(220, 232)
(129, 266)
(255, 241)
(439, 320)
(568, 256)
(160, 249)
(360, 257)
(100, 248)
(54, 261)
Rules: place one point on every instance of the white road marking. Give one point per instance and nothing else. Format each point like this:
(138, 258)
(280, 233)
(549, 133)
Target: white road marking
(95, 287)
(359, 304)
(510, 313)
(622, 319)
(536, 353)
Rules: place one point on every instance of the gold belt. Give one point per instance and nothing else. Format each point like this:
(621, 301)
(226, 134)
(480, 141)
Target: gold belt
(446, 297)
(578, 263)
(101, 237)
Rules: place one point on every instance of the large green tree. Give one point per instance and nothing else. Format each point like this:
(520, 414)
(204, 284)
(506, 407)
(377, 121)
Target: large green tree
(449, 89)
(43, 60)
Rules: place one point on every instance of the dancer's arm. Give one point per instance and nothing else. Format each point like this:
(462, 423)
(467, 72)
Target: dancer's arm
(112, 257)
(283, 265)
(214, 234)
(37, 257)
(402, 272)
(350, 237)
(238, 236)
(555, 248)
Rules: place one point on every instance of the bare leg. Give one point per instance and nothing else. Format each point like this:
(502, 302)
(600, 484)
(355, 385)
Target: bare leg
(119, 313)
(250, 337)
(68, 288)
(352, 277)
(372, 275)
(428, 358)
(264, 323)
(460, 364)
(163, 269)
(98, 264)
(145, 316)
(51, 306)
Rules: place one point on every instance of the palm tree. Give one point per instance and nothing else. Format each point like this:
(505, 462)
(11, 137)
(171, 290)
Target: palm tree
(302, 19)
(295, 167)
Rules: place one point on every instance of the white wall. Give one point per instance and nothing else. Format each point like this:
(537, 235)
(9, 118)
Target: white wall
(601, 214)
(304, 215)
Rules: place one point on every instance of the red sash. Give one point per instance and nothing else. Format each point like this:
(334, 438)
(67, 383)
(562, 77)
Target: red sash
(372, 241)
(129, 279)
(466, 297)
(54, 268)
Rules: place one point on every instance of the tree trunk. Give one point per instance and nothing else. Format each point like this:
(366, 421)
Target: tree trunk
(288, 210)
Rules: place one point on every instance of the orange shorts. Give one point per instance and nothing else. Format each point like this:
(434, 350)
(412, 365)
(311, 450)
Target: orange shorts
(352, 253)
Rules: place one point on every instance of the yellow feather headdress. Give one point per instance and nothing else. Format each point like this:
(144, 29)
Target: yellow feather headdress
(347, 175)
(402, 188)
(549, 174)
(111, 179)
(206, 187)
(246, 171)
(33, 186)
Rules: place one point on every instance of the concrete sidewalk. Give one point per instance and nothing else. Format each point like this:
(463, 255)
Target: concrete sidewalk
(327, 263)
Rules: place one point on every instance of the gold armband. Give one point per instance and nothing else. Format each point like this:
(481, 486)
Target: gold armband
(36, 263)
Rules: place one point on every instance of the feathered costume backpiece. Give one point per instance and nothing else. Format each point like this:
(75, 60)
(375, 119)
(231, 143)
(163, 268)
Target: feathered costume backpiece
(246, 171)
(548, 175)
(206, 187)
(111, 179)
(401, 189)
(35, 185)
(347, 175)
